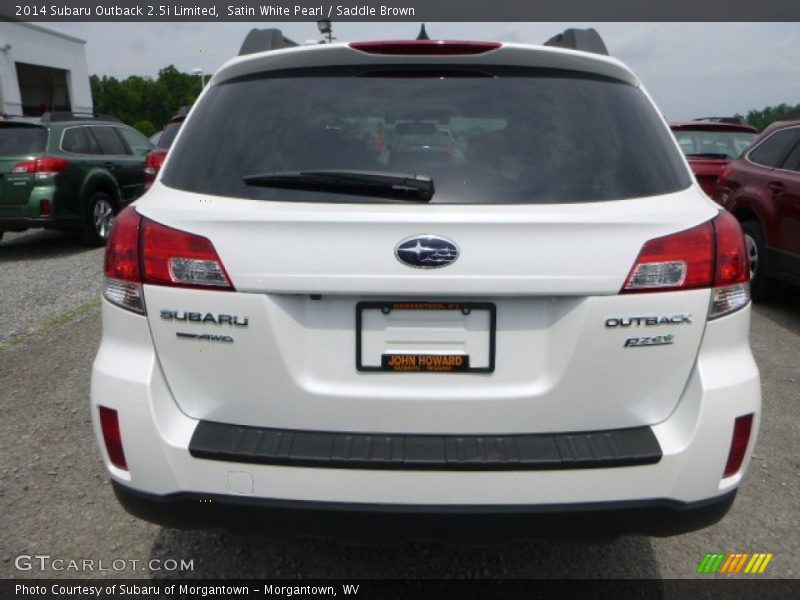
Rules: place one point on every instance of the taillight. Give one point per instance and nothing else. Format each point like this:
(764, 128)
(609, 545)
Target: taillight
(123, 283)
(425, 47)
(177, 258)
(142, 251)
(681, 261)
(152, 165)
(732, 273)
(711, 255)
(43, 167)
(109, 424)
(741, 438)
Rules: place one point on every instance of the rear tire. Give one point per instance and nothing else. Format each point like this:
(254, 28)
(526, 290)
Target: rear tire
(99, 219)
(761, 286)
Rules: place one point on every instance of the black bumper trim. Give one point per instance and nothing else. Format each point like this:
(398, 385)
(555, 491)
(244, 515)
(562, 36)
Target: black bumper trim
(389, 522)
(587, 450)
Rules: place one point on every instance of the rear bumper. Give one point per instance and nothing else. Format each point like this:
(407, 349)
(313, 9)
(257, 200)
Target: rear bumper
(168, 483)
(385, 522)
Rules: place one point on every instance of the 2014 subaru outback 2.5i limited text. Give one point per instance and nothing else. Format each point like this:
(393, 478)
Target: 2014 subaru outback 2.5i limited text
(539, 327)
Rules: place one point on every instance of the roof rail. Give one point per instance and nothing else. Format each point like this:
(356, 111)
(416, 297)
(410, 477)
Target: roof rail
(585, 40)
(64, 115)
(261, 40)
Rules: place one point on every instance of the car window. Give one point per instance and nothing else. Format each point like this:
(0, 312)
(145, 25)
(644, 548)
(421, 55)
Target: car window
(497, 136)
(137, 142)
(78, 141)
(168, 135)
(725, 144)
(773, 150)
(792, 162)
(110, 142)
(18, 140)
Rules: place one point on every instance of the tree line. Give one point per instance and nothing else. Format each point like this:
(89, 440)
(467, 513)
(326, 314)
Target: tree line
(144, 102)
(147, 103)
(760, 119)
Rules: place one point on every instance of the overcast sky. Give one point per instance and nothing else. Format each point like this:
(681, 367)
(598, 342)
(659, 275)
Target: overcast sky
(691, 69)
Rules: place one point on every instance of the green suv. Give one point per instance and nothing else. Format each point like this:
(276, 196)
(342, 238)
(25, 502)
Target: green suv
(68, 171)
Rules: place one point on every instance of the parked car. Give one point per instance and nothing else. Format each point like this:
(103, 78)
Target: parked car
(709, 145)
(68, 171)
(155, 158)
(302, 338)
(762, 190)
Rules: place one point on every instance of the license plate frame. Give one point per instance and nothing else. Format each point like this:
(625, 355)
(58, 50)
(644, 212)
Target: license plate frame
(389, 305)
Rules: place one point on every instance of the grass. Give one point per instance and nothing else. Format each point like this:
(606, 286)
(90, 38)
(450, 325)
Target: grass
(53, 322)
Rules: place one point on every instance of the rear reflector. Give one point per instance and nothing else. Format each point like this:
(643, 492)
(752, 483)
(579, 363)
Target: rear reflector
(109, 423)
(425, 47)
(45, 208)
(741, 438)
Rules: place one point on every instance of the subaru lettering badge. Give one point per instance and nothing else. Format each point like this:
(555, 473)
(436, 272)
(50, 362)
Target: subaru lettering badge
(426, 251)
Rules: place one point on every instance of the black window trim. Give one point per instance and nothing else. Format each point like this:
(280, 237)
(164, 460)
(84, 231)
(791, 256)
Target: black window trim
(785, 156)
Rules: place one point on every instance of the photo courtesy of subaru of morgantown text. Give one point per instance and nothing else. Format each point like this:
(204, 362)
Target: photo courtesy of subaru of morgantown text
(514, 304)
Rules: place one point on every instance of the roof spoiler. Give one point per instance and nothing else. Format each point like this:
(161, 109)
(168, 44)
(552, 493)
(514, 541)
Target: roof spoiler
(585, 40)
(735, 120)
(261, 40)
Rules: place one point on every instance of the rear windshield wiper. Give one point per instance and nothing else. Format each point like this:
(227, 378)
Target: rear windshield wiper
(402, 186)
(708, 155)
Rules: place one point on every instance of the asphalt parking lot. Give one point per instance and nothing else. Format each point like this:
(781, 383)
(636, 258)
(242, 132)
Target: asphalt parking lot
(55, 498)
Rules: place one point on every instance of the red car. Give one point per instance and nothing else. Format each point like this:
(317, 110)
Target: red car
(155, 158)
(710, 145)
(762, 189)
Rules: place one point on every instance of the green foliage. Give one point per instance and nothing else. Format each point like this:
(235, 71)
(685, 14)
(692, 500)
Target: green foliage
(146, 127)
(760, 119)
(144, 101)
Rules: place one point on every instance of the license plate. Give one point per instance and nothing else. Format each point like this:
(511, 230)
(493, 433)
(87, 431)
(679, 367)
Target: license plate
(425, 336)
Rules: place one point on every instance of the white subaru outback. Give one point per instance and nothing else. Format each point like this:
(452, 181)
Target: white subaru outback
(429, 290)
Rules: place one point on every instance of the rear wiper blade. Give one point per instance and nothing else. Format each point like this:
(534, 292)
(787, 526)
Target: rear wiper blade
(402, 186)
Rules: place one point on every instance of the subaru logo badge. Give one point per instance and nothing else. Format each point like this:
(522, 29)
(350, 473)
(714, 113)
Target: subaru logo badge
(426, 251)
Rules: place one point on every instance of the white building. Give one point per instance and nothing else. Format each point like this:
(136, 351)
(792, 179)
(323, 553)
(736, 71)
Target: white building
(41, 70)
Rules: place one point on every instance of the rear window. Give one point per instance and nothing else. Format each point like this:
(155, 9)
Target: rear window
(499, 136)
(714, 144)
(22, 140)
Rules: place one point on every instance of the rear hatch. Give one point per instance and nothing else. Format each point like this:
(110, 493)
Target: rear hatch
(494, 307)
(20, 144)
